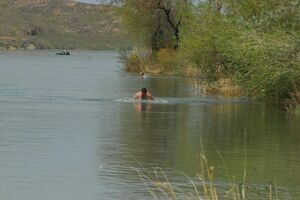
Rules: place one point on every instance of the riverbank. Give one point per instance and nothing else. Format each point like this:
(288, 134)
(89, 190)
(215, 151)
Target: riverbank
(276, 83)
(253, 46)
(168, 62)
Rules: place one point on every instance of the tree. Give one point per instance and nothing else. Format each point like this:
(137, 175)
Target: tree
(156, 23)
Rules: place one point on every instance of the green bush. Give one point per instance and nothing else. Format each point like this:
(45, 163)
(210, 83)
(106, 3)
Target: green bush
(265, 63)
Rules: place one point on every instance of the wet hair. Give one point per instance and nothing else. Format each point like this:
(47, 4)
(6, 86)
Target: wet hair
(144, 90)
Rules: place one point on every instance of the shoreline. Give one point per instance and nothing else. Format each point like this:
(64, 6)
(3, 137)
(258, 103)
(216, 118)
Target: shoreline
(216, 78)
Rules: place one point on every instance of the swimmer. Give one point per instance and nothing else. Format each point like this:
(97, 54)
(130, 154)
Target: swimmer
(143, 95)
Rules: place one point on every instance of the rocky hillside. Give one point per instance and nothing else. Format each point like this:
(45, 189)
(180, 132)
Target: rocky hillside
(58, 24)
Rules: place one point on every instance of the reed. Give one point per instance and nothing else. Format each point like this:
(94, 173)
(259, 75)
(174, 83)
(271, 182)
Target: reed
(205, 186)
(224, 86)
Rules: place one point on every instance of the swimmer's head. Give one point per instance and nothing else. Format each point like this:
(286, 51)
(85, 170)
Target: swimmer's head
(144, 90)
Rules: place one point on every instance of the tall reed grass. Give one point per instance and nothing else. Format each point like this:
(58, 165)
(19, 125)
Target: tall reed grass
(205, 186)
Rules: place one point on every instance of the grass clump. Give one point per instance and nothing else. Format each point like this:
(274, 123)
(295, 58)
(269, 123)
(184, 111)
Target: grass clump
(205, 186)
(165, 61)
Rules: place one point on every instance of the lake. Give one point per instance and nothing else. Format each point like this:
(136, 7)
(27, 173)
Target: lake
(70, 130)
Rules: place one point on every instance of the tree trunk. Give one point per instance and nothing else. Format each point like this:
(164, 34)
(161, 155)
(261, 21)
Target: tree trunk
(175, 28)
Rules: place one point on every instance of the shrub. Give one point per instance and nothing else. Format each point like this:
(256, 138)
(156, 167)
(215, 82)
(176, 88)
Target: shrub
(135, 59)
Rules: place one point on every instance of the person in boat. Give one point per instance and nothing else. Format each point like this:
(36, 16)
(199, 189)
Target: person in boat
(143, 95)
(63, 52)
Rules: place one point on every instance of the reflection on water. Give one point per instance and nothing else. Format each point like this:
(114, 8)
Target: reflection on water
(142, 106)
(71, 130)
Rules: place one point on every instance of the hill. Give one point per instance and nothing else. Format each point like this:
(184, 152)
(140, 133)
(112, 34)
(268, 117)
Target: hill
(58, 24)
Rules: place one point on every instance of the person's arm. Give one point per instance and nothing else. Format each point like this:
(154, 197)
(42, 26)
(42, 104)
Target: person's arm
(150, 96)
(136, 96)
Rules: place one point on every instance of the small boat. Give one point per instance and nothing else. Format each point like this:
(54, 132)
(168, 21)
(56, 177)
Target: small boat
(64, 53)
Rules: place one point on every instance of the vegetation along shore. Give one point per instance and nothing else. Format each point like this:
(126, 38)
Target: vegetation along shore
(245, 47)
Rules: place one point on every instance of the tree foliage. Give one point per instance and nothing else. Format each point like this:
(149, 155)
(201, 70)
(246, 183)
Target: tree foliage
(155, 23)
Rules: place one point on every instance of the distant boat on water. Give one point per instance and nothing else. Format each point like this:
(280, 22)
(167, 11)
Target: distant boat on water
(64, 53)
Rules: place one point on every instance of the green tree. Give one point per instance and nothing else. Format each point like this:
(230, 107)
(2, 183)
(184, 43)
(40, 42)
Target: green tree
(156, 23)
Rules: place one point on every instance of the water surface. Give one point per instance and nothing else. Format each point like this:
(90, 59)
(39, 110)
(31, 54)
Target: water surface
(70, 130)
